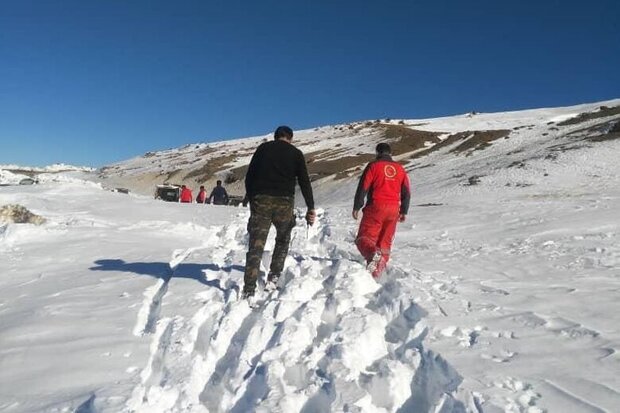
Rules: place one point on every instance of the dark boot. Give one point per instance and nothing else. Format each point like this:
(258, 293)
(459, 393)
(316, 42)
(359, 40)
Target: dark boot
(272, 281)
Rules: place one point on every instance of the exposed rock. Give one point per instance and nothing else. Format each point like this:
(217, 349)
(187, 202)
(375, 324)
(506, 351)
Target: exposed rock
(18, 214)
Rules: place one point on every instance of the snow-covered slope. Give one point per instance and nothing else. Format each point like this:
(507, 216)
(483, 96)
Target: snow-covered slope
(501, 295)
(10, 178)
(13, 174)
(338, 152)
(57, 167)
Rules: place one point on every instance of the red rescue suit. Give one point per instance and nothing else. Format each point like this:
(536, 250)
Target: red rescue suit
(202, 196)
(186, 195)
(386, 186)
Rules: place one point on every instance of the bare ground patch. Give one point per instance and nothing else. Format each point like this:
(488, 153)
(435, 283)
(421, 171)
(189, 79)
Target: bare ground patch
(205, 151)
(211, 167)
(602, 112)
(479, 140)
(471, 141)
(237, 174)
(170, 175)
(339, 167)
(606, 131)
(404, 140)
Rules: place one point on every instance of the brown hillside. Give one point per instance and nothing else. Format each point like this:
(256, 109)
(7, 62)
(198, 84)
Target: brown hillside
(472, 141)
(603, 112)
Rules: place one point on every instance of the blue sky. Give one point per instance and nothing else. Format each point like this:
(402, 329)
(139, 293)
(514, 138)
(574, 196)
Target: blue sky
(94, 82)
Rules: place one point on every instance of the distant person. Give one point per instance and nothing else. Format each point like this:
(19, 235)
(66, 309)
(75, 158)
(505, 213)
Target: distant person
(386, 185)
(202, 195)
(270, 187)
(186, 195)
(218, 196)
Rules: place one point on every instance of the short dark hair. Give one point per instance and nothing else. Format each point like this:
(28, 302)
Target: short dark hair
(383, 149)
(283, 132)
(219, 182)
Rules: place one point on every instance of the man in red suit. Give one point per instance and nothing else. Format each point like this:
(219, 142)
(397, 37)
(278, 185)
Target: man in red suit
(386, 186)
(186, 194)
(202, 195)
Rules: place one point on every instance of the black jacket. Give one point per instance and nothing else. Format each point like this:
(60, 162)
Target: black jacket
(274, 169)
(219, 196)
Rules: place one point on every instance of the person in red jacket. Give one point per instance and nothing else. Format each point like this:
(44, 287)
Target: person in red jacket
(186, 195)
(386, 185)
(202, 195)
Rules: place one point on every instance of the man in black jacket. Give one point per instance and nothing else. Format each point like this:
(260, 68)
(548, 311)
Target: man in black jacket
(270, 187)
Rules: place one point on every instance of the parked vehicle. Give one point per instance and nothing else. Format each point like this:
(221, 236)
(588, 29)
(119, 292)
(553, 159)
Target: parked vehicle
(168, 192)
(28, 181)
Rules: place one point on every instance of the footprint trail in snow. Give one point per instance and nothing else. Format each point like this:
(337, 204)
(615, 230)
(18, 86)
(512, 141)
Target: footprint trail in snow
(332, 339)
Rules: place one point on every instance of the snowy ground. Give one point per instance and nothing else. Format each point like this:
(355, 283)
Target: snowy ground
(495, 301)
(501, 296)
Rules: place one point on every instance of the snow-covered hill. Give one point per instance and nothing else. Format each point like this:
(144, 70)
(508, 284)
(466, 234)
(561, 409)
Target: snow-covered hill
(57, 167)
(14, 174)
(337, 152)
(501, 296)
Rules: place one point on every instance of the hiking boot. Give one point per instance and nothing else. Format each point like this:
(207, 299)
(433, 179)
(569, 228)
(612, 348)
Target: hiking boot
(372, 263)
(380, 267)
(249, 297)
(272, 281)
(245, 295)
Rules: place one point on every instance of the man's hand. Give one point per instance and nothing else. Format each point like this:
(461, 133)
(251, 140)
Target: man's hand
(310, 216)
(355, 214)
(402, 217)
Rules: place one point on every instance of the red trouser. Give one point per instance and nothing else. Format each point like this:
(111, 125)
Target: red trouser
(377, 230)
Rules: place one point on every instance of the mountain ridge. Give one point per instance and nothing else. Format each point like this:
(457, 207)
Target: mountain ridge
(340, 151)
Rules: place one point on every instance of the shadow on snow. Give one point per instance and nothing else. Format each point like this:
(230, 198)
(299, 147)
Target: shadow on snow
(162, 270)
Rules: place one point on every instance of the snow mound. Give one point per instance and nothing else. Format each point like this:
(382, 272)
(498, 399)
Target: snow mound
(57, 167)
(68, 177)
(10, 178)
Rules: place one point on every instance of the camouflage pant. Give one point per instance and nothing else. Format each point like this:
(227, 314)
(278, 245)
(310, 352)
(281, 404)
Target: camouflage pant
(264, 211)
